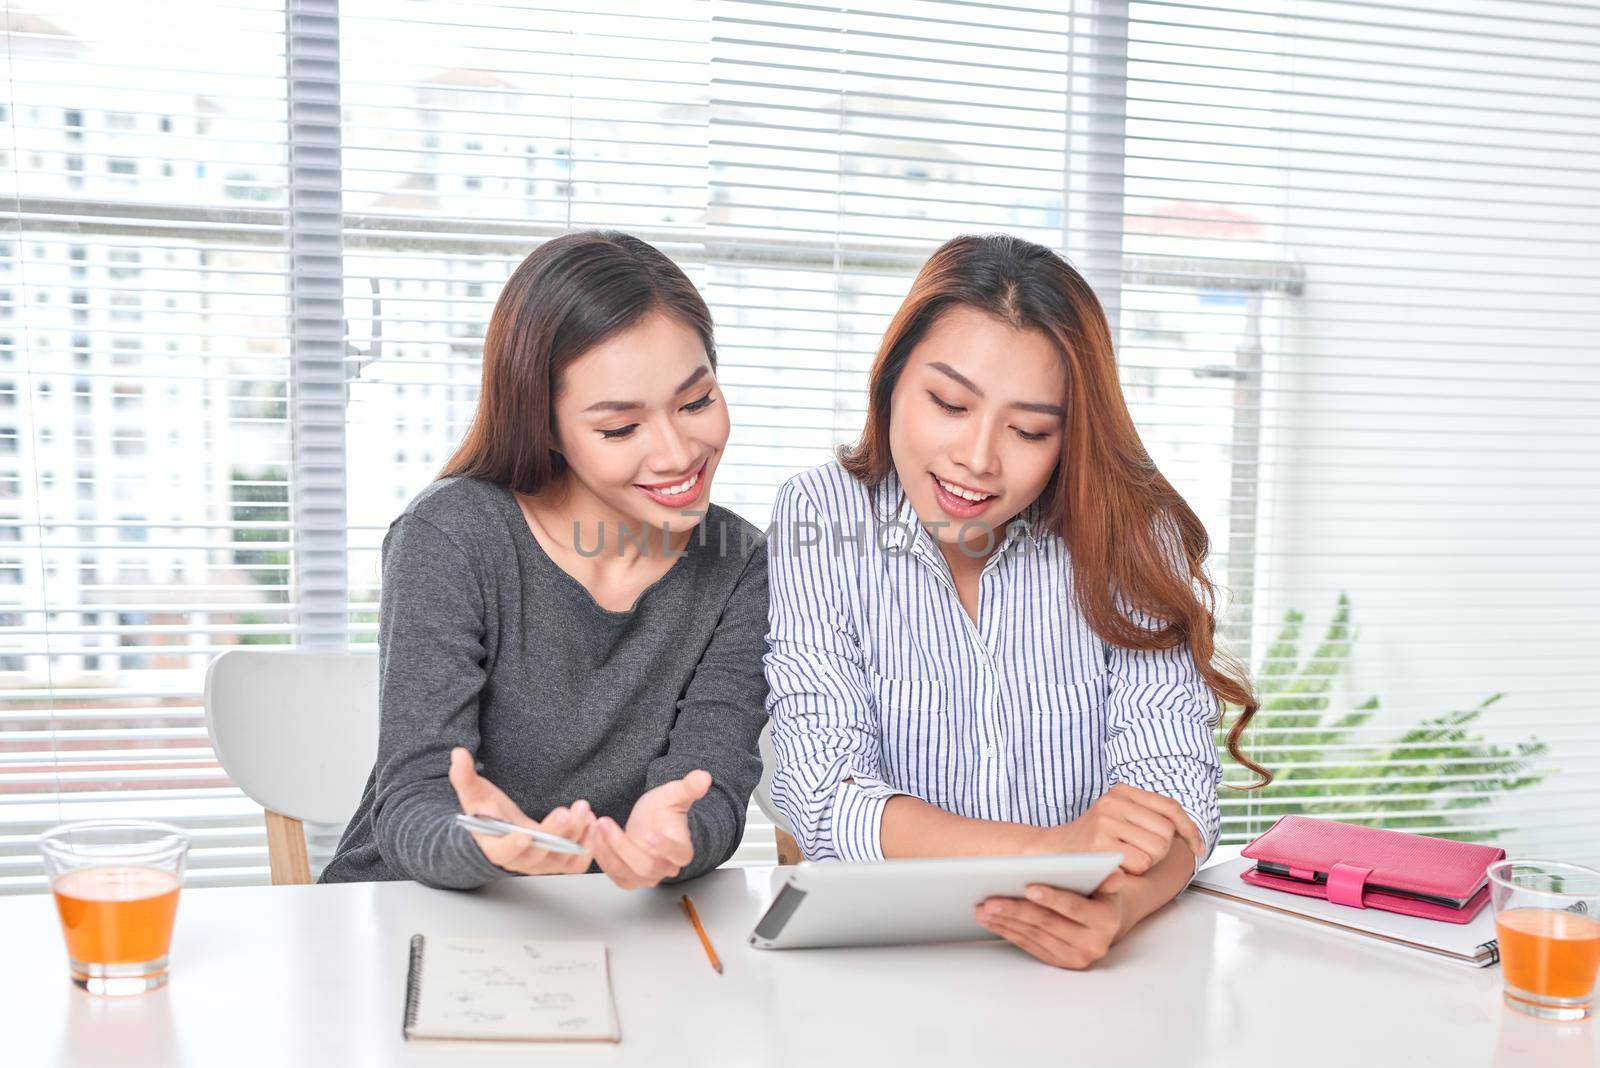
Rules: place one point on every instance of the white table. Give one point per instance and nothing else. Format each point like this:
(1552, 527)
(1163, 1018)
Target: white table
(314, 975)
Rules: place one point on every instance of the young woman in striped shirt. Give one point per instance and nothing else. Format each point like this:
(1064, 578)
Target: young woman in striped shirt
(991, 632)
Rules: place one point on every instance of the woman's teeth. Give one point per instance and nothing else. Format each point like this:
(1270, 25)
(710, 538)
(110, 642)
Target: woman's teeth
(681, 488)
(964, 494)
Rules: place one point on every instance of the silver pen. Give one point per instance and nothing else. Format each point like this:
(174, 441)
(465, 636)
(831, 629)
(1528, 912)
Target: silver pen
(499, 828)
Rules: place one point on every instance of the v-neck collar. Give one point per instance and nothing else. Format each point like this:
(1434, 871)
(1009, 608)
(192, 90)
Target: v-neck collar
(519, 522)
(903, 531)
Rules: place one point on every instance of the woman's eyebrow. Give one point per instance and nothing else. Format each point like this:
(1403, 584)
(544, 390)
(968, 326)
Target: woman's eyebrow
(628, 406)
(960, 379)
(1026, 406)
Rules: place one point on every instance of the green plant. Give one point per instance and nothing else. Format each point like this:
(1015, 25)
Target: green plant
(261, 497)
(1331, 763)
(254, 638)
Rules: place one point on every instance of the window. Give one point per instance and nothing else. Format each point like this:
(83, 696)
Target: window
(1288, 221)
(127, 396)
(129, 443)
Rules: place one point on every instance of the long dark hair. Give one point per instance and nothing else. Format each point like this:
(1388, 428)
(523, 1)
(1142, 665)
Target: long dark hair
(1137, 548)
(570, 294)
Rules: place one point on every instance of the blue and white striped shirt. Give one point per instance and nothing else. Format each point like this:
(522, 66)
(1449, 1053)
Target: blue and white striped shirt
(878, 675)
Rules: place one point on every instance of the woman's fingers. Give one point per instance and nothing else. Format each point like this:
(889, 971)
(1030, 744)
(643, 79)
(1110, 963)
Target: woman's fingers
(1072, 929)
(627, 865)
(1147, 848)
(1085, 922)
(1018, 938)
(1188, 831)
(614, 867)
(1167, 809)
(477, 795)
(676, 850)
(568, 822)
(642, 861)
(1037, 944)
(463, 777)
(1142, 816)
(1111, 883)
(517, 853)
(1182, 825)
(679, 794)
(534, 859)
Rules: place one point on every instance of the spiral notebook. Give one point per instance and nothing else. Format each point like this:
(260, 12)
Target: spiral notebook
(508, 990)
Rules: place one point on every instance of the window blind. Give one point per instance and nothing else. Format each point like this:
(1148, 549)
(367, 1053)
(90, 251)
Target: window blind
(1412, 476)
(143, 349)
(1347, 250)
(471, 133)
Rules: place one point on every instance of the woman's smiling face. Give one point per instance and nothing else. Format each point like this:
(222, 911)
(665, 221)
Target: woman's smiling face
(641, 422)
(975, 426)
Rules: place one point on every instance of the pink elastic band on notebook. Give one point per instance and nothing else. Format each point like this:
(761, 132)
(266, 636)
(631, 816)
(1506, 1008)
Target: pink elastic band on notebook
(1346, 883)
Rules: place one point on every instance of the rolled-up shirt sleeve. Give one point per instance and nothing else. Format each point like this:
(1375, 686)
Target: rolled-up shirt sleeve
(827, 777)
(1160, 716)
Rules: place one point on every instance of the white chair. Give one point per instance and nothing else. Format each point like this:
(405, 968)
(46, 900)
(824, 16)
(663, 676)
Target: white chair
(297, 732)
(788, 848)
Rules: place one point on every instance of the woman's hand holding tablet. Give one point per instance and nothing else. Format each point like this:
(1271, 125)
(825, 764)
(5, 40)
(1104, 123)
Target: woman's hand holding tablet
(1071, 930)
(1056, 926)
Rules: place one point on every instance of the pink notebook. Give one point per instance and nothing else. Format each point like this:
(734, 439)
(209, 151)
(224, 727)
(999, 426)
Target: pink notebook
(1373, 868)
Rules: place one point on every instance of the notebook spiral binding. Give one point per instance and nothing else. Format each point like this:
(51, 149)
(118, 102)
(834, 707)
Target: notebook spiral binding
(1493, 946)
(413, 985)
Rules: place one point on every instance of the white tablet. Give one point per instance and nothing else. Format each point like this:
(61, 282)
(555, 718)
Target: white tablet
(895, 902)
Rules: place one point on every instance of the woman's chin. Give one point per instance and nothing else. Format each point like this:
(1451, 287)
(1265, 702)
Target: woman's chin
(656, 517)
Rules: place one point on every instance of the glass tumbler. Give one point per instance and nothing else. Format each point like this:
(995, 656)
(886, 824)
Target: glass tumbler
(1547, 917)
(116, 889)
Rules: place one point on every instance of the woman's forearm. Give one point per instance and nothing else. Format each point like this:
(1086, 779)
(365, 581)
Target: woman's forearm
(1143, 894)
(914, 828)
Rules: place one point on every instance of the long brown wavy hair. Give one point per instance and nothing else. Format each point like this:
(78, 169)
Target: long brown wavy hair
(571, 293)
(1122, 521)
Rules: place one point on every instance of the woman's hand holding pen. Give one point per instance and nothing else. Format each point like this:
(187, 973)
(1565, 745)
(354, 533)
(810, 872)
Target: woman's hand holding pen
(1140, 825)
(656, 843)
(514, 852)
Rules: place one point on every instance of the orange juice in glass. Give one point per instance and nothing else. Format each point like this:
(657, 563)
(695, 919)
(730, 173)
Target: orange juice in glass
(116, 888)
(1547, 919)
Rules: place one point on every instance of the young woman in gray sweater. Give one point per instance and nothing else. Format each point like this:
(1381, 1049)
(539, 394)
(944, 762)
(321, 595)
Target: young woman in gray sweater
(570, 633)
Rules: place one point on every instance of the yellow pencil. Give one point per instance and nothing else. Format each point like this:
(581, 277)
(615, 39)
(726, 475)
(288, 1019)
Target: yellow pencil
(705, 940)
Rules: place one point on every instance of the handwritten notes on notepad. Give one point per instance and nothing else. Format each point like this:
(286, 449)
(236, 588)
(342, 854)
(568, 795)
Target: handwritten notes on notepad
(499, 988)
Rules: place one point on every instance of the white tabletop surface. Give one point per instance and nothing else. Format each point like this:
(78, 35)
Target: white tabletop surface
(315, 975)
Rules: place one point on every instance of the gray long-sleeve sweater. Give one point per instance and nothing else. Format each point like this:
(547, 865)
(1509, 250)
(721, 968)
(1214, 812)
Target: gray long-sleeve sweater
(485, 642)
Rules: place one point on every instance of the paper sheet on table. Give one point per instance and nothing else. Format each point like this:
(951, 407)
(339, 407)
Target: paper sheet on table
(499, 988)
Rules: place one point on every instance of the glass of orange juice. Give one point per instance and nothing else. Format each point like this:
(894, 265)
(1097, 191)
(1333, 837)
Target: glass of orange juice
(1547, 917)
(116, 889)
